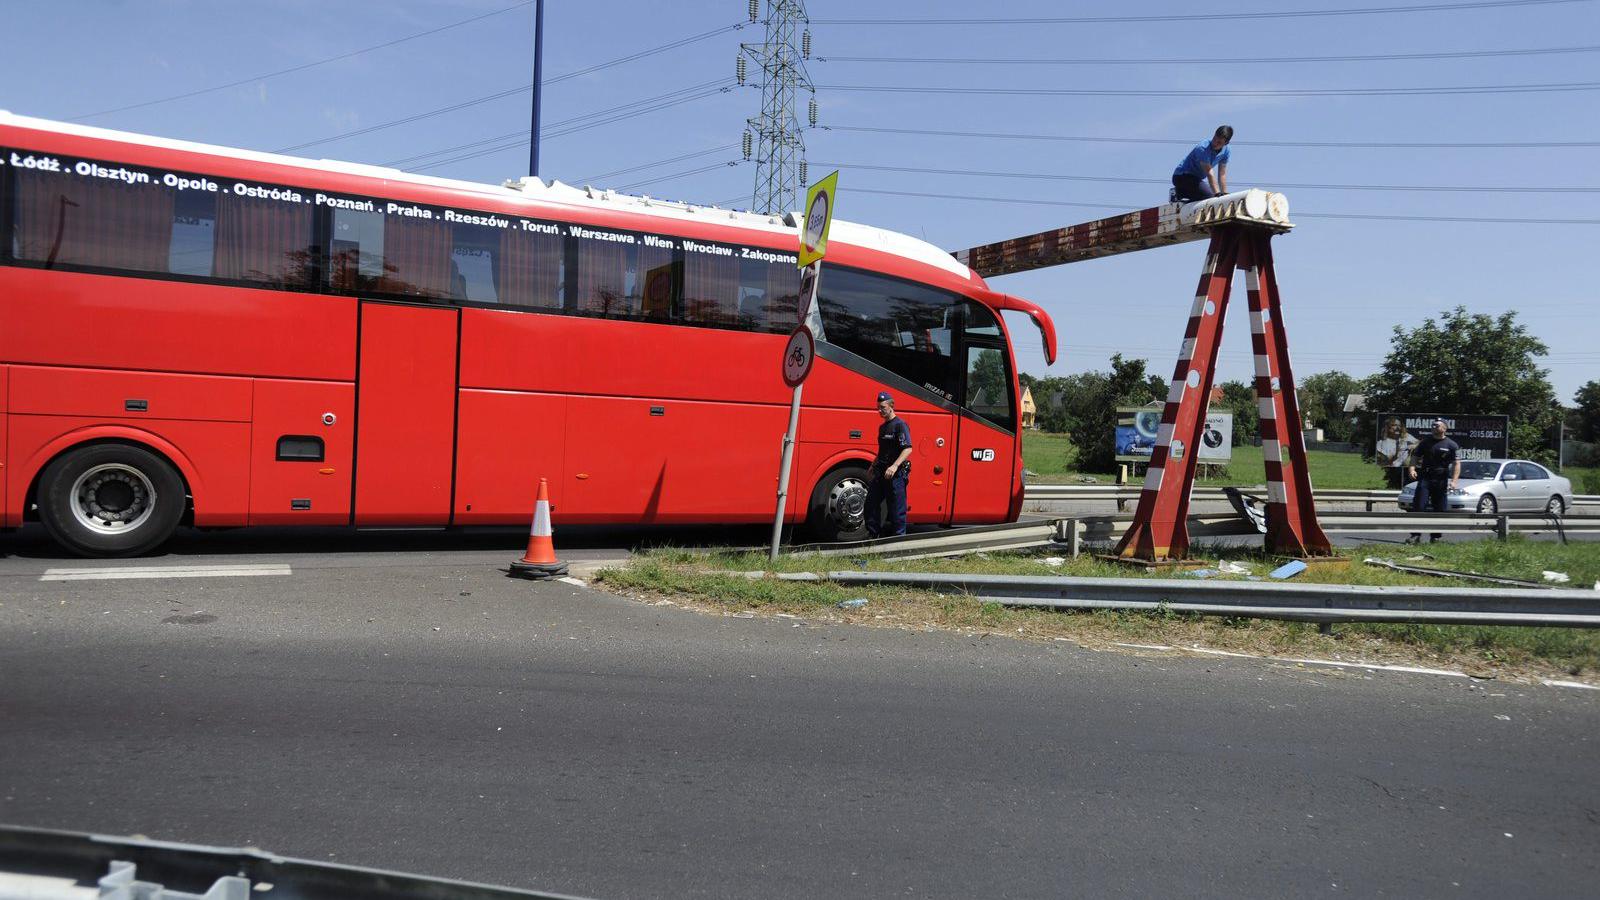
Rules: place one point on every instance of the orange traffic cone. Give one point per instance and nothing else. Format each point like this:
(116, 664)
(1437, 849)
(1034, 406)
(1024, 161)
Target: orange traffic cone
(540, 559)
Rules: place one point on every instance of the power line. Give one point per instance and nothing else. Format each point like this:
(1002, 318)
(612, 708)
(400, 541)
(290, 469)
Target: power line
(303, 66)
(1343, 145)
(1207, 16)
(590, 179)
(1557, 87)
(1126, 207)
(522, 89)
(718, 165)
(1313, 186)
(520, 138)
(1208, 61)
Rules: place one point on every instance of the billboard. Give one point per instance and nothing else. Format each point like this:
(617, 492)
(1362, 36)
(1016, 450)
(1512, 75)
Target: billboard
(1137, 427)
(1480, 437)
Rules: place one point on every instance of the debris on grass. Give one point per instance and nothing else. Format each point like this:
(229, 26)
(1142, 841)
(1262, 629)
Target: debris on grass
(1450, 573)
(1202, 573)
(1557, 577)
(1233, 568)
(1288, 570)
(857, 603)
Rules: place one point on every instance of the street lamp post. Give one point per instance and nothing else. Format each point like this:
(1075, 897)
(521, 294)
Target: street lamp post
(538, 82)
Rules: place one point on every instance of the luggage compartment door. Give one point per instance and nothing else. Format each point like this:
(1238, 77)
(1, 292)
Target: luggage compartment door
(405, 414)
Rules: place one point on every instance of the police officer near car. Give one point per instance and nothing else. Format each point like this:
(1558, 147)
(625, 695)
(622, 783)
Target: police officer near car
(1436, 465)
(890, 470)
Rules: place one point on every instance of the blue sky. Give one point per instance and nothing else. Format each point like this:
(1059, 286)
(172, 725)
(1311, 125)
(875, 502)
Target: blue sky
(1346, 282)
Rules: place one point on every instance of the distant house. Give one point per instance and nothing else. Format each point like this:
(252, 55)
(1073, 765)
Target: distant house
(1028, 409)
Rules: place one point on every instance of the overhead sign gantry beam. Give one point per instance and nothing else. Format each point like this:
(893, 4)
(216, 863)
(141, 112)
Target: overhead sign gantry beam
(1169, 223)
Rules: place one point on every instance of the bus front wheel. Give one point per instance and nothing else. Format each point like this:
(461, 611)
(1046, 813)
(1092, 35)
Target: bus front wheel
(839, 506)
(110, 500)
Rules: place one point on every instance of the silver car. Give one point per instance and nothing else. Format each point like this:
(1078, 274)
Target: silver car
(1504, 485)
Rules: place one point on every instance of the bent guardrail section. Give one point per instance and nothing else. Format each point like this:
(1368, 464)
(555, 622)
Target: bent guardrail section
(1299, 602)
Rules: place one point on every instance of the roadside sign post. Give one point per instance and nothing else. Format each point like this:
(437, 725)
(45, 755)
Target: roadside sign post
(800, 351)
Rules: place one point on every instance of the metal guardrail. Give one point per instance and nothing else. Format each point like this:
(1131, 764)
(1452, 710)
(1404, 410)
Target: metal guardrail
(1044, 493)
(1069, 533)
(1300, 602)
(1025, 535)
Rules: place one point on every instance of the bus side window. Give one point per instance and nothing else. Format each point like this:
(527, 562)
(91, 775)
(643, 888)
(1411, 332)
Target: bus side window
(355, 252)
(417, 257)
(616, 279)
(900, 325)
(711, 290)
(474, 273)
(259, 239)
(531, 269)
(768, 295)
(66, 219)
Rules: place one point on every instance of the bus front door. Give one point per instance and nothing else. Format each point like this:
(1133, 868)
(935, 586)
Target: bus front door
(405, 414)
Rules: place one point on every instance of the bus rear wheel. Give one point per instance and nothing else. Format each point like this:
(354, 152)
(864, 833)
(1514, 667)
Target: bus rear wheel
(839, 506)
(110, 500)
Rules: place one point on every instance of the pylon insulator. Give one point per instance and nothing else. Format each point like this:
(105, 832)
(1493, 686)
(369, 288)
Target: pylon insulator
(755, 10)
(748, 141)
(739, 70)
(811, 113)
(805, 44)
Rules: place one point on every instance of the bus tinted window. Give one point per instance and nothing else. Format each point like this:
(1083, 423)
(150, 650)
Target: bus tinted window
(904, 327)
(67, 219)
(620, 275)
(355, 250)
(768, 295)
(711, 286)
(109, 216)
(261, 238)
(531, 268)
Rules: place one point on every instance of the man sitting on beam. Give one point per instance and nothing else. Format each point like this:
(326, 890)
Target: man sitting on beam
(1203, 174)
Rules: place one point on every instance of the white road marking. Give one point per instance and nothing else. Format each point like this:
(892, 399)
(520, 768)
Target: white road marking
(1550, 682)
(1309, 662)
(133, 572)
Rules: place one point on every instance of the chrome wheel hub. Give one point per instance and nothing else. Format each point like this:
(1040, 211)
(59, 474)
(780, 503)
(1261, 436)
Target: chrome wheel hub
(112, 499)
(847, 504)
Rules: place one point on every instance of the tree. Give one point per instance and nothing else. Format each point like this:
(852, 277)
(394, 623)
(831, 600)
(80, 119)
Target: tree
(1469, 364)
(1092, 416)
(1587, 412)
(1239, 398)
(1322, 399)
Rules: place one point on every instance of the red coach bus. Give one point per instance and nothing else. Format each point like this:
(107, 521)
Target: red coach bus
(197, 335)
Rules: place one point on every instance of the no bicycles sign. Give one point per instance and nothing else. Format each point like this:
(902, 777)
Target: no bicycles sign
(798, 355)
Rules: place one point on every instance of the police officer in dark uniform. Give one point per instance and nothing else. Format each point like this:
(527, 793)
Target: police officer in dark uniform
(891, 468)
(1437, 468)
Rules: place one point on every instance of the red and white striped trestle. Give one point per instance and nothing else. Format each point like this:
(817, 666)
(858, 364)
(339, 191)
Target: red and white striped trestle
(1159, 530)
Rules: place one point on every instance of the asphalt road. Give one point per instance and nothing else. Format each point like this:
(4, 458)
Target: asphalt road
(400, 703)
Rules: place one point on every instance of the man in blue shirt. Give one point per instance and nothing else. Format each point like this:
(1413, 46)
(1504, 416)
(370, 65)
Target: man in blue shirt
(1203, 174)
(891, 468)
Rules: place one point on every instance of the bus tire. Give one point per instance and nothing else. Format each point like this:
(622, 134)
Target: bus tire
(110, 500)
(838, 506)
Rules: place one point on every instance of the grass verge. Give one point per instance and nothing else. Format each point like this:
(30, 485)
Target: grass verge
(1053, 459)
(713, 582)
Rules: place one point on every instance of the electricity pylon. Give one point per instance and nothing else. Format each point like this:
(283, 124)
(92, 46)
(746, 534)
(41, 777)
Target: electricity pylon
(773, 138)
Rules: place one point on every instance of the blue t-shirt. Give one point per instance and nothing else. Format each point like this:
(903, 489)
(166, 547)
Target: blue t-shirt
(1201, 156)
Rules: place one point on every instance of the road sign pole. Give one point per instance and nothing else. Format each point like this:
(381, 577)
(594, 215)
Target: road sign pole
(801, 351)
(789, 438)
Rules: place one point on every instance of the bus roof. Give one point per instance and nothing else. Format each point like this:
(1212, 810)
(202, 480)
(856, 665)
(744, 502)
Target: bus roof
(548, 192)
